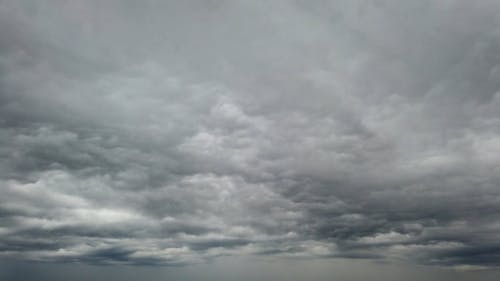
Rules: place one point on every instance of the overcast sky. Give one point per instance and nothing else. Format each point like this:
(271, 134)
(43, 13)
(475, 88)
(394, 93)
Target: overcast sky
(212, 139)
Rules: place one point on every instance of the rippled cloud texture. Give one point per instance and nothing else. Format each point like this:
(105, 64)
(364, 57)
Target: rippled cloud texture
(179, 132)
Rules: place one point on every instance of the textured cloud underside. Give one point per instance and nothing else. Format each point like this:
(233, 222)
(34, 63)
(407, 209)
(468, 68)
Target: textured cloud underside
(174, 133)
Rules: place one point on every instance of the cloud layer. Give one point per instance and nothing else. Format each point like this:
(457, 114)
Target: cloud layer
(175, 133)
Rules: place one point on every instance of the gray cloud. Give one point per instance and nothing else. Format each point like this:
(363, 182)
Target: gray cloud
(168, 133)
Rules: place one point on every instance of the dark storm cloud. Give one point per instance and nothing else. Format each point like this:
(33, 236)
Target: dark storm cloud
(175, 133)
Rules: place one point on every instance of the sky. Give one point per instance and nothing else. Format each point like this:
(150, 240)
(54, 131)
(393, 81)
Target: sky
(249, 140)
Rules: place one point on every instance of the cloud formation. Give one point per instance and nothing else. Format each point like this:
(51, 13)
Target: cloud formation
(172, 133)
